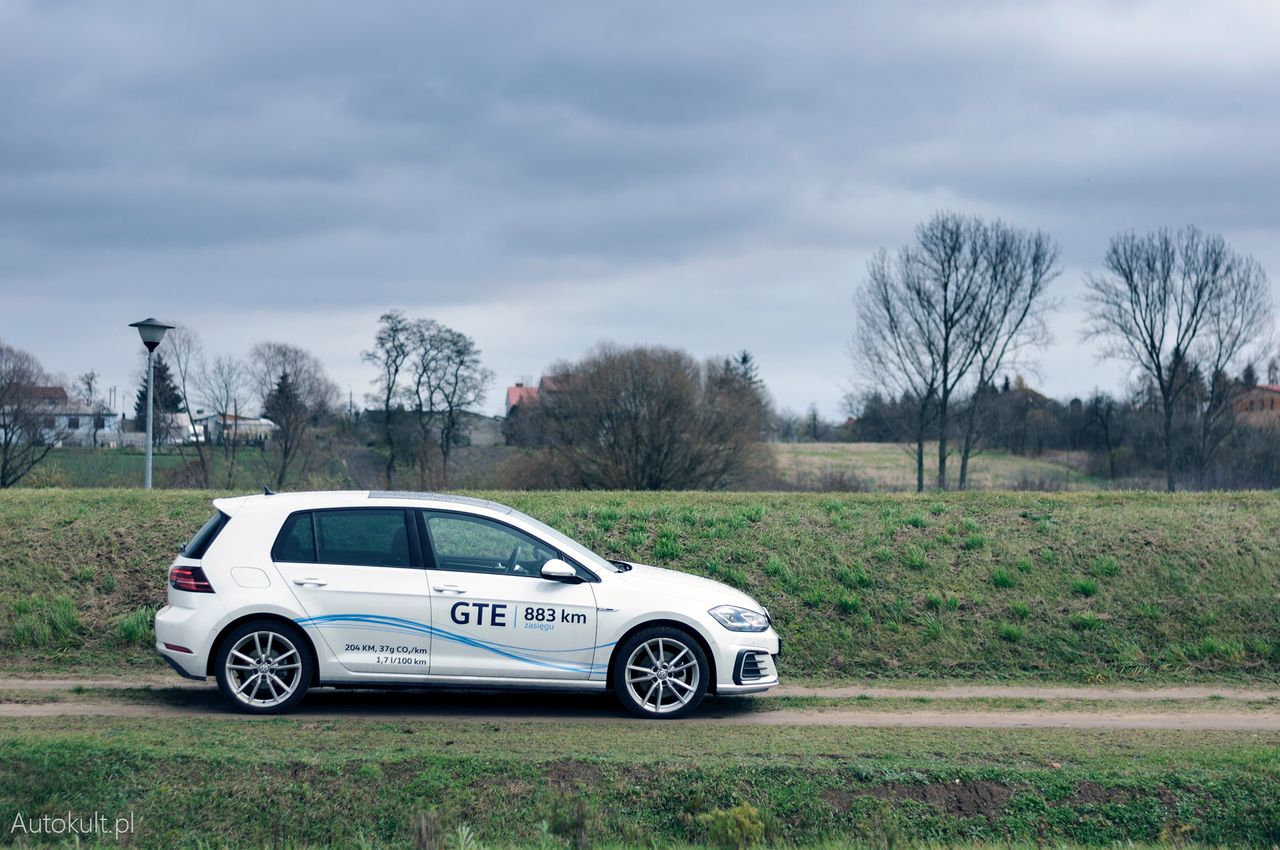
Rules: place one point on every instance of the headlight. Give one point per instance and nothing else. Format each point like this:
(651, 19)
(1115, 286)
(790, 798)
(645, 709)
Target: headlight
(737, 619)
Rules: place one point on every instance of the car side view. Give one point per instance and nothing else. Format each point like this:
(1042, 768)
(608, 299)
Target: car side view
(278, 593)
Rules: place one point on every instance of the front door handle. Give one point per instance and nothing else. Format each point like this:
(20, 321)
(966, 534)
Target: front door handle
(449, 588)
(314, 582)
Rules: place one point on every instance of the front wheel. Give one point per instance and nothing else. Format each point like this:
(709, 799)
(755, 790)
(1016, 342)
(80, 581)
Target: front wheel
(263, 667)
(661, 672)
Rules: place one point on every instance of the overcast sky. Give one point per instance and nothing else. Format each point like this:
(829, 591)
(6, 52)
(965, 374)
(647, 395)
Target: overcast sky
(544, 176)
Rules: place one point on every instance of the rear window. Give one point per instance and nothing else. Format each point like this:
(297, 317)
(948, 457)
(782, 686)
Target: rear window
(198, 545)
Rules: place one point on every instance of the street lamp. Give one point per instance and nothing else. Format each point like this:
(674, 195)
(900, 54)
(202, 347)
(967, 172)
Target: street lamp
(151, 331)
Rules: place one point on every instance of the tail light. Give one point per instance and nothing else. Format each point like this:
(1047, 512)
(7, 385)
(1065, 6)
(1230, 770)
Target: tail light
(191, 579)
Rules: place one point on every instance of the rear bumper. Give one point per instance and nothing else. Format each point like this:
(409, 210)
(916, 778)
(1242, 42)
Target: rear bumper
(190, 629)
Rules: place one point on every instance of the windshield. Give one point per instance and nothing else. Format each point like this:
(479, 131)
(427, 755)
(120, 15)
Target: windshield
(568, 544)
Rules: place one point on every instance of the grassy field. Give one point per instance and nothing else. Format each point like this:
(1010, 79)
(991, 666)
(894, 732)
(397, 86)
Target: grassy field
(293, 782)
(890, 466)
(1074, 587)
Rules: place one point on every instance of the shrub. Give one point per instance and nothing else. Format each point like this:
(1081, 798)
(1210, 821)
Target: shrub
(1011, 633)
(667, 547)
(733, 829)
(1084, 587)
(1086, 622)
(915, 559)
(42, 621)
(1104, 566)
(138, 627)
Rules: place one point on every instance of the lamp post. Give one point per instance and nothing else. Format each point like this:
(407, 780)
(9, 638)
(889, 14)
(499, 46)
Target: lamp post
(151, 331)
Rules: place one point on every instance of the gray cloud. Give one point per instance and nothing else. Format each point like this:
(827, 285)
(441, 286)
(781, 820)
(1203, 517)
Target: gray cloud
(547, 175)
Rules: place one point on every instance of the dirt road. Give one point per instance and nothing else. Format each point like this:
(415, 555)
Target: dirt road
(1190, 708)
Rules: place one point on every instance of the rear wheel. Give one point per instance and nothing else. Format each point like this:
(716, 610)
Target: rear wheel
(263, 667)
(661, 672)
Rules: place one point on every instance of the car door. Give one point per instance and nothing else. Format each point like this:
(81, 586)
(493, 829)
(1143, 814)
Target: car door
(358, 575)
(494, 615)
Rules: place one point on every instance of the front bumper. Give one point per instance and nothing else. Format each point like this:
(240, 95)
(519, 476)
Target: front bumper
(748, 664)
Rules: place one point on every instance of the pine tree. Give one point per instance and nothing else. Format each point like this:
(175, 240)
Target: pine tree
(286, 408)
(167, 400)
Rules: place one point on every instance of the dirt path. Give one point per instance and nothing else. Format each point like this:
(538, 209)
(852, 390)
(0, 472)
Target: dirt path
(924, 690)
(169, 698)
(713, 715)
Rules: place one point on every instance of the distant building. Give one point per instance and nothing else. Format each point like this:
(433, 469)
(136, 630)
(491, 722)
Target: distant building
(1259, 405)
(218, 428)
(68, 422)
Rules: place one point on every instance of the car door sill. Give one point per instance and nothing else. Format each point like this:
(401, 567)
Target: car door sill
(394, 680)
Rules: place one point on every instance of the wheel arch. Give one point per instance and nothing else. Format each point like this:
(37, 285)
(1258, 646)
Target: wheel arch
(679, 625)
(211, 665)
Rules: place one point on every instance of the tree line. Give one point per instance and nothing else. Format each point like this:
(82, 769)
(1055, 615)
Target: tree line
(942, 318)
(941, 324)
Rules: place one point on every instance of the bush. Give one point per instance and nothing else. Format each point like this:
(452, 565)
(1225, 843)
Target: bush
(733, 829)
(41, 622)
(138, 627)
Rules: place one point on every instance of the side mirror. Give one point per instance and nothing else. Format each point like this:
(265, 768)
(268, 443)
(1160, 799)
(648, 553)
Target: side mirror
(558, 570)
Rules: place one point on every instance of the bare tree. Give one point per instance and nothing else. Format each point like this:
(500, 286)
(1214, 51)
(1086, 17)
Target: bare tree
(651, 419)
(223, 390)
(296, 395)
(186, 353)
(1154, 303)
(27, 433)
(88, 386)
(392, 347)
(445, 380)
(1237, 320)
(1016, 268)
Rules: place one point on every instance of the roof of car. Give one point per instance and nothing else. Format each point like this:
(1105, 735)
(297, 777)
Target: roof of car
(349, 498)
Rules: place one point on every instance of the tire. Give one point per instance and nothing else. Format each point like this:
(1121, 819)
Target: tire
(649, 689)
(263, 667)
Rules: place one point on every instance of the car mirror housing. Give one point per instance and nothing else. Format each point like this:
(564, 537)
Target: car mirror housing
(558, 570)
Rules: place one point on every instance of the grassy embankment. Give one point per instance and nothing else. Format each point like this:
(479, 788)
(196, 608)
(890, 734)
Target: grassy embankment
(292, 781)
(1075, 587)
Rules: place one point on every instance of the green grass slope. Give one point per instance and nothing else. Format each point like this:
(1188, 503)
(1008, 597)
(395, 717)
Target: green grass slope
(1079, 586)
(208, 781)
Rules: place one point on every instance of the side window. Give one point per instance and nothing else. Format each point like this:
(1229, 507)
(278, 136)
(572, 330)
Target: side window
(367, 537)
(476, 545)
(296, 542)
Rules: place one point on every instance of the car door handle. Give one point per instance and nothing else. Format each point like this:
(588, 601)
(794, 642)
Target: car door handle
(448, 588)
(315, 582)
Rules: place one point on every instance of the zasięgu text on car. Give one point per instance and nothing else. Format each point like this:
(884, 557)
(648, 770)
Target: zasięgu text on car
(279, 593)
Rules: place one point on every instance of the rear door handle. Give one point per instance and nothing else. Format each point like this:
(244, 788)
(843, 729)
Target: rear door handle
(316, 582)
(448, 588)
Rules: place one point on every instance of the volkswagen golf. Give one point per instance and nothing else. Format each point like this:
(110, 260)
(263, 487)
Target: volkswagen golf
(279, 593)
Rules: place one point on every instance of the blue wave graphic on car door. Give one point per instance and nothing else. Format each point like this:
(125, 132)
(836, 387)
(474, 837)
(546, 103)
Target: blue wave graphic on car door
(536, 658)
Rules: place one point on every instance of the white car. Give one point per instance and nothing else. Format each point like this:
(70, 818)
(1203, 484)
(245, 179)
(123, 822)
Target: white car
(281, 592)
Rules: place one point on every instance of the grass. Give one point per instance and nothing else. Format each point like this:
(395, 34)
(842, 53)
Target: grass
(856, 587)
(358, 782)
(889, 466)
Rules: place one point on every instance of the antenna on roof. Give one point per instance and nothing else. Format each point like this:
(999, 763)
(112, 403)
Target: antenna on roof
(267, 491)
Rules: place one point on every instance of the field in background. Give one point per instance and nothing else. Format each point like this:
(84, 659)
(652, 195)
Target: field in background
(892, 466)
(1075, 586)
